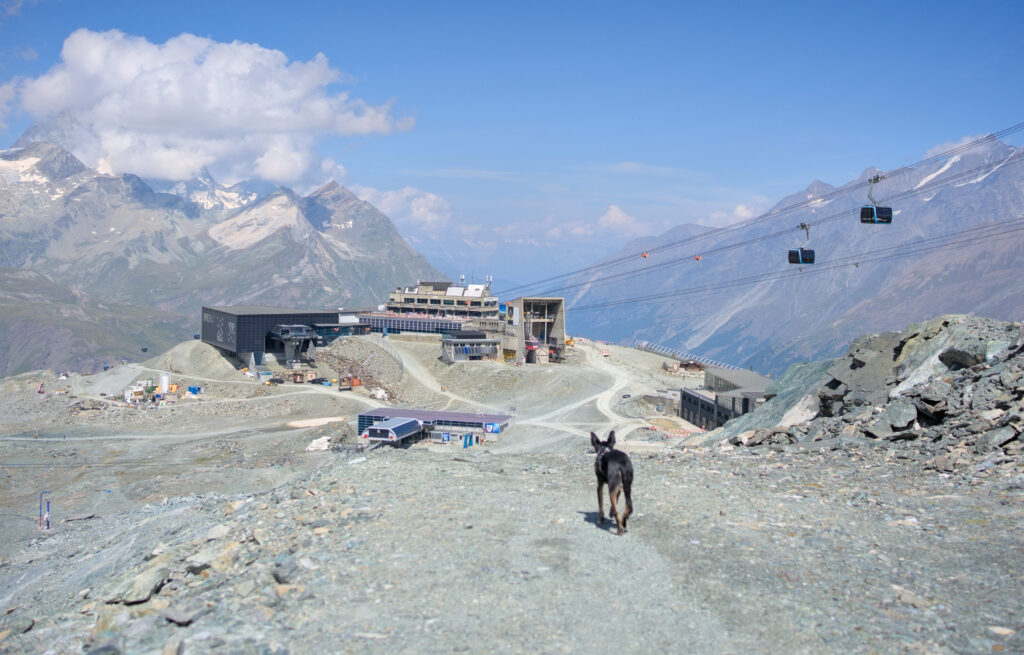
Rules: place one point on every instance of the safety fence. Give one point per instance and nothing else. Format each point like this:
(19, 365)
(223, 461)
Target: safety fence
(682, 356)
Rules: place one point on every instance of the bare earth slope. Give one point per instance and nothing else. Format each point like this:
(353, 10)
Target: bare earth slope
(212, 530)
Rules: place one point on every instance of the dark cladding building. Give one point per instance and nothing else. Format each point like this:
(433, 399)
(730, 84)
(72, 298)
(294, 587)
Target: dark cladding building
(245, 331)
(726, 394)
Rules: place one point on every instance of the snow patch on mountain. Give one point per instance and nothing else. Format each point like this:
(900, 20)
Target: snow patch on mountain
(217, 198)
(256, 224)
(984, 175)
(21, 170)
(929, 178)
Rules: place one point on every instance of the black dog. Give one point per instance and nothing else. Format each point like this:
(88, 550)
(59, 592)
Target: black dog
(613, 468)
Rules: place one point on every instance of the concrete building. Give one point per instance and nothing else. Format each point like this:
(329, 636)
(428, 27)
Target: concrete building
(469, 345)
(247, 332)
(347, 326)
(437, 423)
(398, 323)
(538, 329)
(444, 299)
(726, 394)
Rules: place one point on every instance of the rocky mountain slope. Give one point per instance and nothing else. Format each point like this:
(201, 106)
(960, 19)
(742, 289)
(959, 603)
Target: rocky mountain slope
(117, 240)
(771, 323)
(948, 393)
(44, 324)
(207, 527)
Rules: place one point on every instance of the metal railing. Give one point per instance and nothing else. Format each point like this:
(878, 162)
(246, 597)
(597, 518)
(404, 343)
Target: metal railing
(682, 356)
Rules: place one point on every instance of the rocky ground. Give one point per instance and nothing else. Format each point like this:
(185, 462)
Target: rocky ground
(415, 550)
(948, 393)
(208, 534)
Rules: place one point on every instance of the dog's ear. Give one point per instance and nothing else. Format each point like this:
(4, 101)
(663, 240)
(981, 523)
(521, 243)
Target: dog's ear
(611, 439)
(594, 441)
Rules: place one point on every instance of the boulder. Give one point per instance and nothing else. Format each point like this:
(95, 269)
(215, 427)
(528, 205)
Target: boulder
(140, 588)
(900, 414)
(994, 439)
(802, 412)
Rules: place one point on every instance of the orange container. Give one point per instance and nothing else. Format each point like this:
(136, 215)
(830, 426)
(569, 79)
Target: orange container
(356, 382)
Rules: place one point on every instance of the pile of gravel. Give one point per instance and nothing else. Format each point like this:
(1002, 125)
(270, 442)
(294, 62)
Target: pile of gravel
(195, 358)
(365, 357)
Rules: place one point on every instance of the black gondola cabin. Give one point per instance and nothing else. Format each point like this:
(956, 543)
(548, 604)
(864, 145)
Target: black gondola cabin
(801, 256)
(873, 214)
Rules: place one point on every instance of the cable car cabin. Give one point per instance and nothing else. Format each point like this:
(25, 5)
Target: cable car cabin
(801, 256)
(873, 214)
(393, 430)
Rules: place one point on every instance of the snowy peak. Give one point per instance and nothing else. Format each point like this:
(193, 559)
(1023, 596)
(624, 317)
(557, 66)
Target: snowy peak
(207, 193)
(39, 162)
(334, 194)
(815, 189)
(278, 211)
(333, 208)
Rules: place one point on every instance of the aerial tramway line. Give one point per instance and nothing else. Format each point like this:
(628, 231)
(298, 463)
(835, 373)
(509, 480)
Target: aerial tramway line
(952, 179)
(869, 214)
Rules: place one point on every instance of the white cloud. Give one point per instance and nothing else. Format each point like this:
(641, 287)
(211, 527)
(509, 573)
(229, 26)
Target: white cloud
(408, 206)
(943, 147)
(166, 110)
(618, 221)
(740, 212)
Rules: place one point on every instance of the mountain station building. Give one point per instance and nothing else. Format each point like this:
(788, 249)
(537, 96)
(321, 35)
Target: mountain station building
(248, 332)
(726, 394)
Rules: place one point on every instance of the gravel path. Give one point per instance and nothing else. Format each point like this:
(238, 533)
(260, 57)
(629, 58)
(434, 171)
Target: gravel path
(423, 550)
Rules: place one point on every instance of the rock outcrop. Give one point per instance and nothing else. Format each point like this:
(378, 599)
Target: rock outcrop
(949, 391)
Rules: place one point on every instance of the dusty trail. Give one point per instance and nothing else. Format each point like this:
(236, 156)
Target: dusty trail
(421, 375)
(602, 400)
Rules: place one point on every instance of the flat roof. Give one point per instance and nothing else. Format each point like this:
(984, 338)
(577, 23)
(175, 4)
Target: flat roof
(436, 286)
(260, 309)
(703, 393)
(483, 340)
(743, 378)
(432, 416)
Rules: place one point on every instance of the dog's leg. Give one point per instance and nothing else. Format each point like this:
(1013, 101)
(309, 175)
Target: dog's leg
(626, 485)
(613, 496)
(600, 503)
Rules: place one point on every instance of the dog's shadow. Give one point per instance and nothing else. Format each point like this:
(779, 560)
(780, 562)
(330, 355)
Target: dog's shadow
(591, 517)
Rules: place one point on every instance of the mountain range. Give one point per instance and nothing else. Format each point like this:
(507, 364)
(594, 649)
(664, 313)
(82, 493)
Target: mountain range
(101, 240)
(79, 249)
(796, 313)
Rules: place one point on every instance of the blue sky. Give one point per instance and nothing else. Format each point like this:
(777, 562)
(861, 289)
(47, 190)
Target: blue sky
(523, 116)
